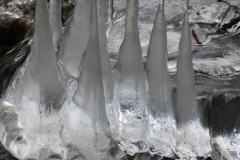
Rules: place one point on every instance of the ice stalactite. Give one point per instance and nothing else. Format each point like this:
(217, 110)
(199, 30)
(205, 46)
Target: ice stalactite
(56, 24)
(77, 37)
(192, 139)
(160, 107)
(90, 95)
(105, 59)
(132, 86)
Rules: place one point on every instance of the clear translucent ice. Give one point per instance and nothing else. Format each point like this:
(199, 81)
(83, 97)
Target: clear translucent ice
(192, 139)
(37, 92)
(82, 110)
(160, 107)
(45, 110)
(89, 101)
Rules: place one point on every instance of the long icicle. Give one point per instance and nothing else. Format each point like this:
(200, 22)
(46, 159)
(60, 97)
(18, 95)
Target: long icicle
(90, 93)
(132, 86)
(160, 107)
(77, 37)
(47, 71)
(189, 128)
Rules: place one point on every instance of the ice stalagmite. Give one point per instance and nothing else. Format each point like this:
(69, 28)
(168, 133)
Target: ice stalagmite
(132, 86)
(56, 24)
(90, 98)
(192, 139)
(77, 37)
(105, 59)
(160, 107)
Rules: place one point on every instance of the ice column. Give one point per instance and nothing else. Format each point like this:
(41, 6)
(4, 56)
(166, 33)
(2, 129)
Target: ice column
(90, 96)
(56, 24)
(160, 107)
(77, 37)
(192, 137)
(132, 86)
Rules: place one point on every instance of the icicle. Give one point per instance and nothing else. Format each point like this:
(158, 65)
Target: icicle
(192, 138)
(105, 60)
(56, 24)
(161, 113)
(110, 10)
(37, 92)
(78, 37)
(90, 93)
(47, 72)
(132, 86)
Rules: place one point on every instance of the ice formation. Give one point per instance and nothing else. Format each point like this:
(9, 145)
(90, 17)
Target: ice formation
(76, 37)
(160, 106)
(189, 128)
(56, 24)
(67, 101)
(132, 87)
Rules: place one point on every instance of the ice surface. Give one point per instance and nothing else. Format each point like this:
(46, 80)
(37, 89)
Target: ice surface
(160, 107)
(132, 86)
(77, 37)
(189, 128)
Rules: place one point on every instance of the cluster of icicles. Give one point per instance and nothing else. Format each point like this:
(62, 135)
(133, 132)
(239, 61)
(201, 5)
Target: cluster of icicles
(66, 102)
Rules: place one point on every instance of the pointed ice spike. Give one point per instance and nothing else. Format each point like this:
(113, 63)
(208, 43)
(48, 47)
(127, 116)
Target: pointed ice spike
(56, 24)
(90, 93)
(78, 37)
(192, 138)
(132, 85)
(161, 113)
(36, 89)
(105, 60)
